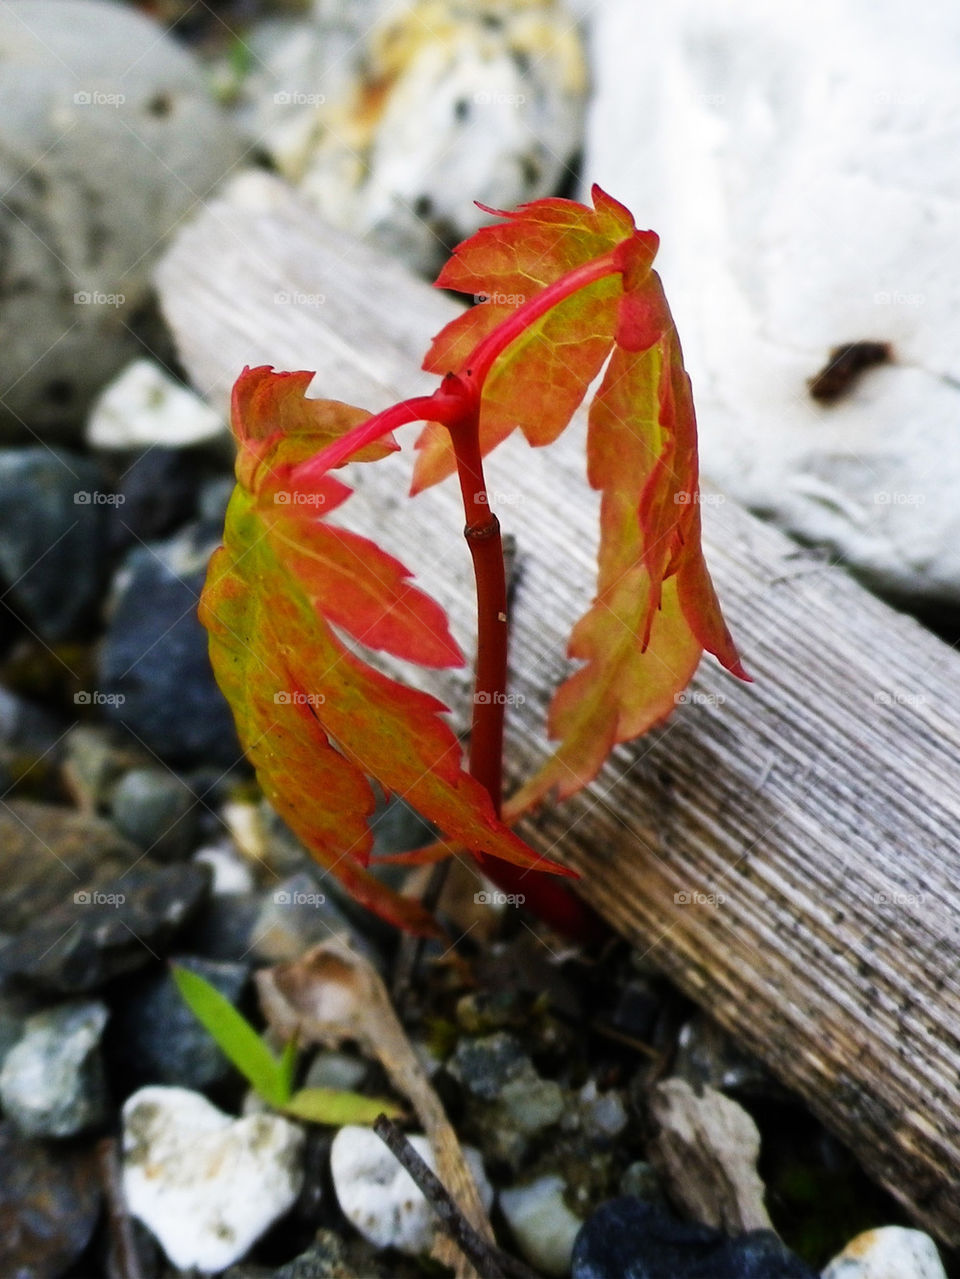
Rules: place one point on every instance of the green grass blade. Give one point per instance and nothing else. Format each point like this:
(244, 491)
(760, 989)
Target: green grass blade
(236, 1038)
(331, 1106)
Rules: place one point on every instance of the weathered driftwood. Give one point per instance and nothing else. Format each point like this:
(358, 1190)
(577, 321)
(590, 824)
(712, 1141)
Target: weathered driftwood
(788, 851)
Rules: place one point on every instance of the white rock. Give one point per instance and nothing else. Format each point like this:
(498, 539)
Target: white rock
(207, 1185)
(230, 873)
(110, 137)
(451, 103)
(542, 1224)
(891, 1252)
(380, 1198)
(799, 163)
(145, 406)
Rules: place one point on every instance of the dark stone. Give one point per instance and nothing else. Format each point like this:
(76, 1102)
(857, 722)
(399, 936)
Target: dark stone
(154, 1037)
(226, 928)
(47, 854)
(154, 656)
(157, 810)
(637, 1009)
(49, 1204)
(630, 1239)
(159, 490)
(101, 933)
(487, 1064)
(30, 741)
(53, 507)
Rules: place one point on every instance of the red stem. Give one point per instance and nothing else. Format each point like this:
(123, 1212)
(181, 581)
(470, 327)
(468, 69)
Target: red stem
(548, 897)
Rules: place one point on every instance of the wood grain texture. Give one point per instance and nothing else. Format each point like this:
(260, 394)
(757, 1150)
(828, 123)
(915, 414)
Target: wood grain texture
(787, 851)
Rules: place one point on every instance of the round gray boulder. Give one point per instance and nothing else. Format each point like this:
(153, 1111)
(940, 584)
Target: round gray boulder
(110, 138)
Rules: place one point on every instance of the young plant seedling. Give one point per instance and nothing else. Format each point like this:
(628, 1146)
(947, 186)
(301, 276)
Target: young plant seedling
(271, 1076)
(571, 292)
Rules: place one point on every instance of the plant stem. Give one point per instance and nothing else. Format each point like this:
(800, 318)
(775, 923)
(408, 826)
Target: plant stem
(547, 897)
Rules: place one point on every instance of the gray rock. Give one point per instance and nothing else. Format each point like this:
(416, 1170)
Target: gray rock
(155, 1038)
(102, 932)
(295, 915)
(157, 811)
(47, 854)
(52, 536)
(110, 138)
(49, 1205)
(154, 655)
(52, 1083)
(93, 762)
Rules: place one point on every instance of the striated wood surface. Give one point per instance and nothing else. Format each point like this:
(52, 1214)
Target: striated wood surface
(788, 852)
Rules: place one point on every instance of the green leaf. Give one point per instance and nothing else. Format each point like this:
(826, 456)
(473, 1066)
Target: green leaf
(330, 1106)
(236, 1038)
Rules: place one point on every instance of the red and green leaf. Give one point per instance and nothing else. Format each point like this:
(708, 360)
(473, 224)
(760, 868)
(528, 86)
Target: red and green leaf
(316, 721)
